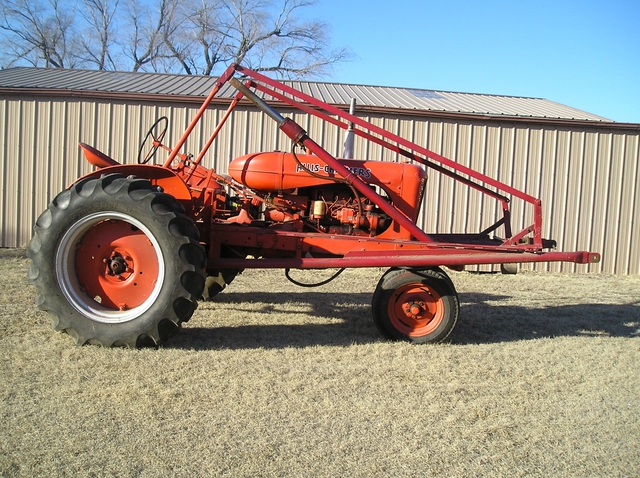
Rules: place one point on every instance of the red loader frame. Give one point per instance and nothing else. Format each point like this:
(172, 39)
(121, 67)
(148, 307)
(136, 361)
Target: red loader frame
(411, 248)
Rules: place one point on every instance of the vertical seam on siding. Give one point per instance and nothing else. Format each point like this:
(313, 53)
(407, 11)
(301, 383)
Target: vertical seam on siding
(497, 209)
(578, 217)
(632, 200)
(245, 133)
(261, 141)
(592, 206)
(634, 210)
(603, 236)
(482, 199)
(525, 172)
(564, 185)
(465, 190)
(619, 204)
(452, 198)
(34, 175)
(423, 204)
(439, 184)
(3, 157)
(511, 171)
(231, 122)
(22, 152)
(553, 199)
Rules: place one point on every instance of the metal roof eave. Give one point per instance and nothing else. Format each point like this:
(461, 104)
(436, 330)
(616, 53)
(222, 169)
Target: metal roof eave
(459, 115)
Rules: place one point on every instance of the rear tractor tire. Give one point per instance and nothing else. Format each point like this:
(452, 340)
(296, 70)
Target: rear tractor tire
(418, 306)
(116, 262)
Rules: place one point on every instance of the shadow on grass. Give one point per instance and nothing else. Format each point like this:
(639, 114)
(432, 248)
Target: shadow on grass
(348, 321)
(482, 320)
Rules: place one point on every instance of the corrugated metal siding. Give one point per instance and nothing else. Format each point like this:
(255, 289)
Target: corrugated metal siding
(587, 179)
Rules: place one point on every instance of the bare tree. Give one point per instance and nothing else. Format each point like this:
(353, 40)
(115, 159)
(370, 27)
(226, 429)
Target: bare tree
(191, 36)
(261, 34)
(280, 42)
(143, 42)
(37, 33)
(97, 43)
(180, 33)
(195, 36)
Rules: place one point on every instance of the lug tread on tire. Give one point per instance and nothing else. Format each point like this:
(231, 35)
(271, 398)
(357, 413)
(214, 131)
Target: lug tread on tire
(160, 217)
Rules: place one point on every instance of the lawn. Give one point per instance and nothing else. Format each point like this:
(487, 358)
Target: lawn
(540, 378)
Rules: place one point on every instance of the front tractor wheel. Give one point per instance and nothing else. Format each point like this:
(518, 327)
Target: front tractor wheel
(418, 306)
(116, 262)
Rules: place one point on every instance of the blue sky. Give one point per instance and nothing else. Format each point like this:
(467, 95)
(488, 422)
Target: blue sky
(585, 54)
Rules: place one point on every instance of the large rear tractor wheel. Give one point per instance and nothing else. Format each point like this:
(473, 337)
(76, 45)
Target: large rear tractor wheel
(418, 306)
(116, 262)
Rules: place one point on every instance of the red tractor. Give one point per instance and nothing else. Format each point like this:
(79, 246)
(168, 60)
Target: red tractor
(122, 256)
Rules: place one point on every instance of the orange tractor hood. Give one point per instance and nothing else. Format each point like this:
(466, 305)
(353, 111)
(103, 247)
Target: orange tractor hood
(280, 172)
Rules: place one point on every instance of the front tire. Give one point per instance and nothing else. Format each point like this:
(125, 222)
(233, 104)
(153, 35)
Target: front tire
(419, 306)
(116, 262)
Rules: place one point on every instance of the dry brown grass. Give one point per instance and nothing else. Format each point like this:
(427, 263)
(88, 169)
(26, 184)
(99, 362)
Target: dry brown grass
(540, 379)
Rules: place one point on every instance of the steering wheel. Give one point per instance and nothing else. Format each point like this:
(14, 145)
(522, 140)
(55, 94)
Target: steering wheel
(155, 133)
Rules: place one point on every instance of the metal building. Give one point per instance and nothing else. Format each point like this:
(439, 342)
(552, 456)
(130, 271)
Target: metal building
(583, 167)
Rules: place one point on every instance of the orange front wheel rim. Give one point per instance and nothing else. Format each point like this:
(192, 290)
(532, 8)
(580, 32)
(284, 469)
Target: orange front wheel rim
(416, 310)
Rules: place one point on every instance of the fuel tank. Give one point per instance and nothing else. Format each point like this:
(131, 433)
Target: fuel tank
(279, 171)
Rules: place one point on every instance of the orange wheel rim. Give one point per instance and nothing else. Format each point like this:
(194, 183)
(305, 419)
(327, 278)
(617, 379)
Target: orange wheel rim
(110, 267)
(117, 265)
(416, 310)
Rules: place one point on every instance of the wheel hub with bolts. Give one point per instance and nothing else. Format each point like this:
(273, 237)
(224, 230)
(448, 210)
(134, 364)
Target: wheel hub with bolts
(414, 309)
(117, 265)
(415, 306)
